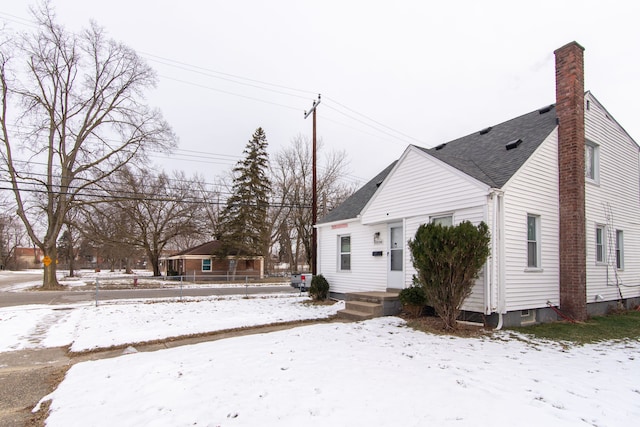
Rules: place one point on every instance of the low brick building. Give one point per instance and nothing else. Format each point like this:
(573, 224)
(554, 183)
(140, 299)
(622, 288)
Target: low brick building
(201, 263)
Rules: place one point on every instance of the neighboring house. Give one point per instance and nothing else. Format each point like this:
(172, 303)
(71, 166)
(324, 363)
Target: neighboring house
(558, 187)
(201, 261)
(25, 258)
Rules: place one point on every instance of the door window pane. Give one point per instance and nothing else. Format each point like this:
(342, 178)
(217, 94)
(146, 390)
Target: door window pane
(396, 249)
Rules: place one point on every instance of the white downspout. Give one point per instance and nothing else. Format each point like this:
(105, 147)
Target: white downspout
(497, 274)
(491, 276)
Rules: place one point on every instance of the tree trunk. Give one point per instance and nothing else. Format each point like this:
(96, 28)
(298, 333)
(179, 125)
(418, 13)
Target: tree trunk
(154, 259)
(72, 263)
(50, 280)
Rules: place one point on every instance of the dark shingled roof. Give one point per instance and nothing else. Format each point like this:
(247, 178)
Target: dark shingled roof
(482, 155)
(354, 204)
(207, 248)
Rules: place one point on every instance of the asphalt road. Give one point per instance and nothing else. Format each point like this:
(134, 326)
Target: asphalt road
(8, 299)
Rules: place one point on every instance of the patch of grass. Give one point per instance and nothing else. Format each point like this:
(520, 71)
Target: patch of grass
(435, 325)
(318, 302)
(617, 326)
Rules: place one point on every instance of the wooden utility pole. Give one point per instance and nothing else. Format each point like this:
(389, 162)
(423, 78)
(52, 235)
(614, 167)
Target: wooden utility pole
(314, 203)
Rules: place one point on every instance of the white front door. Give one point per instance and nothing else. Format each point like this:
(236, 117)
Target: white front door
(395, 272)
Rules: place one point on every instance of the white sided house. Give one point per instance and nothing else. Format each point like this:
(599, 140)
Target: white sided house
(558, 187)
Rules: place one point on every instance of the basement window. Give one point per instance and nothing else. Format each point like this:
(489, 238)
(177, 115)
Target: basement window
(527, 316)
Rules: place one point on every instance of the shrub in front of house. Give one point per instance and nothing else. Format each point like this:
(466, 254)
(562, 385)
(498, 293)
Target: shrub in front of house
(319, 289)
(413, 299)
(448, 260)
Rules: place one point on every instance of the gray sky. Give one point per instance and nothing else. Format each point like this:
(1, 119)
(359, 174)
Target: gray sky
(390, 73)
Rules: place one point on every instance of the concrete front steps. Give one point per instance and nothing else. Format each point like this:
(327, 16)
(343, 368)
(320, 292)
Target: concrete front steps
(367, 305)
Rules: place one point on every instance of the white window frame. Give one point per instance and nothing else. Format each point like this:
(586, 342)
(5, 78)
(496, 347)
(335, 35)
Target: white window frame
(345, 253)
(537, 265)
(619, 250)
(202, 265)
(594, 164)
(600, 246)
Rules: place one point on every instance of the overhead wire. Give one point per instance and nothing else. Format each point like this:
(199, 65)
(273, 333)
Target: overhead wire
(280, 89)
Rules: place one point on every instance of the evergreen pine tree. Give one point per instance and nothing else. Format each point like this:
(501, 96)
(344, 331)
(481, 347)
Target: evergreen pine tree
(244, 226)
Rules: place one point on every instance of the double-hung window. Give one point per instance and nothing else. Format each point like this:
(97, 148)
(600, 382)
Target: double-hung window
(591, 161)
(533, 241)
(206, 265)
(600, 248)
(345, 253)
(619, 250)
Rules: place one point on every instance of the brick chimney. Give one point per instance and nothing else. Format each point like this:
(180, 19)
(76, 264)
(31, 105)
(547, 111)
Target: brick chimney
(571, 143)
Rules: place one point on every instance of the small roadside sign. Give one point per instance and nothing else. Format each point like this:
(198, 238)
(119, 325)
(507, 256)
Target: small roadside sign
(46, 261)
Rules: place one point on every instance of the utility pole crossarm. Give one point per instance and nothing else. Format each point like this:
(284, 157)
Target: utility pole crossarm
(313, 108)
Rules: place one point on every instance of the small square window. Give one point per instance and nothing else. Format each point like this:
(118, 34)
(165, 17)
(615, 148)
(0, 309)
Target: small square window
(445, 221)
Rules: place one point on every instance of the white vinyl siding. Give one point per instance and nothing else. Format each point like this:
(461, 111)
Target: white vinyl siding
(412, 194)
(532, 190)
(417, 187)
(613, 202)
(368, 272)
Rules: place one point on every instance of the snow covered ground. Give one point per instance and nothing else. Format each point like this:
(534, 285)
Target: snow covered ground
(378, 372)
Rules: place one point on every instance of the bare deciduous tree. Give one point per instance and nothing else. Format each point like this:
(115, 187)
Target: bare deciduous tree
(155, 209)
(291, 215)
(72, 113)
(12, 236)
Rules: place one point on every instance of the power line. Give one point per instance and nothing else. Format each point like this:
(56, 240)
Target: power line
(375, 121)
(228, 77)
(230, 93)
(365, 120)
(144, 197)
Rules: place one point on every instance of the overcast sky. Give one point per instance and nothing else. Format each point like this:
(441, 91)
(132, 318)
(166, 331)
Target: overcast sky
(390, 73)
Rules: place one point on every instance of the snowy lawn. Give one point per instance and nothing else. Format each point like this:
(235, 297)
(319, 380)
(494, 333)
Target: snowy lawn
(85, 327)
(377, 373)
